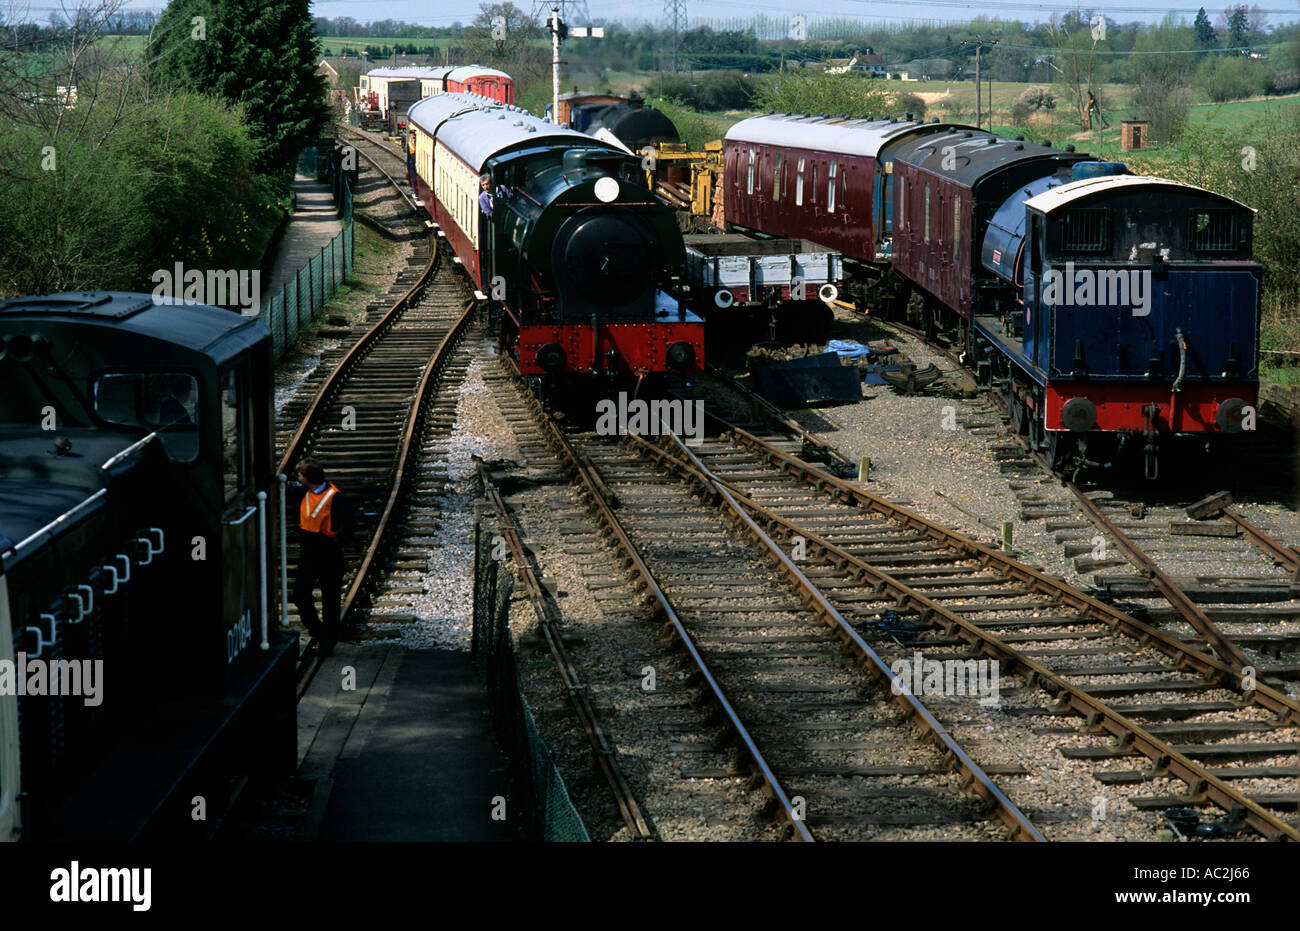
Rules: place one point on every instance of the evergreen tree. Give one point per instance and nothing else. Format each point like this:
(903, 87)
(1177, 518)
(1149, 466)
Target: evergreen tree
(260, 56)
(1238, 26)
(1205, 37)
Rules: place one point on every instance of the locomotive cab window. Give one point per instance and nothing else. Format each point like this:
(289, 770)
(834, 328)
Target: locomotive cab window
(235, 447)
(1086, 229)
(1214, 230)
(163, 402)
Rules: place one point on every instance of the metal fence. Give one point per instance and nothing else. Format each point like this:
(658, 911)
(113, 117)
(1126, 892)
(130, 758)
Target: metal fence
(303, 296)
(551, 814)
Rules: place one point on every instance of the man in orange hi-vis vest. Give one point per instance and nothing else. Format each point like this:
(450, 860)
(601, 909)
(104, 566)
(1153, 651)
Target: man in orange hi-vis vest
(325, 519)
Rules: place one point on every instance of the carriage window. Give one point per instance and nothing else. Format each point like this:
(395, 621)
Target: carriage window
(927, 211)
(956, 221)
(776, 178)
(812, 195)
(830, 187)
(162, 402)
(798, 185)
(844, 188)
(1214, 230)
(1086, 229)
(750, 187)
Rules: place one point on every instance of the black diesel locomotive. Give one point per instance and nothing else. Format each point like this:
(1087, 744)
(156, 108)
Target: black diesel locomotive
(147, 666)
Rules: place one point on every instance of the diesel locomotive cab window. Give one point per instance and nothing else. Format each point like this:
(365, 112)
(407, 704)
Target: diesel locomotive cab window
(1086, 229)
(162, 402)
(234, 434)
(1214, 230)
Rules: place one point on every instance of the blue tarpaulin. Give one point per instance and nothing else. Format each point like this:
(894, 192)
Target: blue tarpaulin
(848, 348)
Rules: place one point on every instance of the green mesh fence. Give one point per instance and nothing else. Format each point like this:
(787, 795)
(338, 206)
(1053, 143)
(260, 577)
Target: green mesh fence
(301, 299)
(551, 814)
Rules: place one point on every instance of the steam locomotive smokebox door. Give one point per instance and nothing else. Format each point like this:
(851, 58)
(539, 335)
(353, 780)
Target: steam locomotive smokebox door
(601, 264)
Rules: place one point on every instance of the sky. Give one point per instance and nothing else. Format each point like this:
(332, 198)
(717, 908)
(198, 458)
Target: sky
(869, 11)
(446, 12)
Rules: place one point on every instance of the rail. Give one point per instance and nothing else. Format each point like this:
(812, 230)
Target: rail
(548, 618)
(1165, 759)
(664, 608)
(976, 779)
(329, 389)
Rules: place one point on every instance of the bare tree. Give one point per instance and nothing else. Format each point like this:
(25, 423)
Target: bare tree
(1079, 70)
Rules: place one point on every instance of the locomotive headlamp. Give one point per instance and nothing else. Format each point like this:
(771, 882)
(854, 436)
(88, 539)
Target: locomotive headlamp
(551, 358)
(724, 299)
(680, 356)
(828, 292)
(1079, 415)
(606, 189)
(1229, 414)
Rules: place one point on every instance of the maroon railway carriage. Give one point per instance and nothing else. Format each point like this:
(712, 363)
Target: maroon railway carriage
(823, 179)
(947, 187)
(487, 82)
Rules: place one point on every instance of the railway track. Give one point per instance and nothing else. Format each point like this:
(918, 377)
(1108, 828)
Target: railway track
(766, 649)
(366, 422)
(1230, 739)
(1145, 527)
(384, 159)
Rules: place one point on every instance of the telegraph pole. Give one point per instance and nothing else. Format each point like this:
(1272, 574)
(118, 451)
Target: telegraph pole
(979, 103)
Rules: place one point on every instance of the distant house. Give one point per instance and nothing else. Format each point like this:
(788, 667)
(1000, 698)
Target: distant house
(329, 72)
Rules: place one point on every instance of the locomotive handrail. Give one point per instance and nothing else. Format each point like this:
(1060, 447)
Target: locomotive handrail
(252, 509)
(284, 551)
(262, 573)
(118, 457)
(62, 518)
